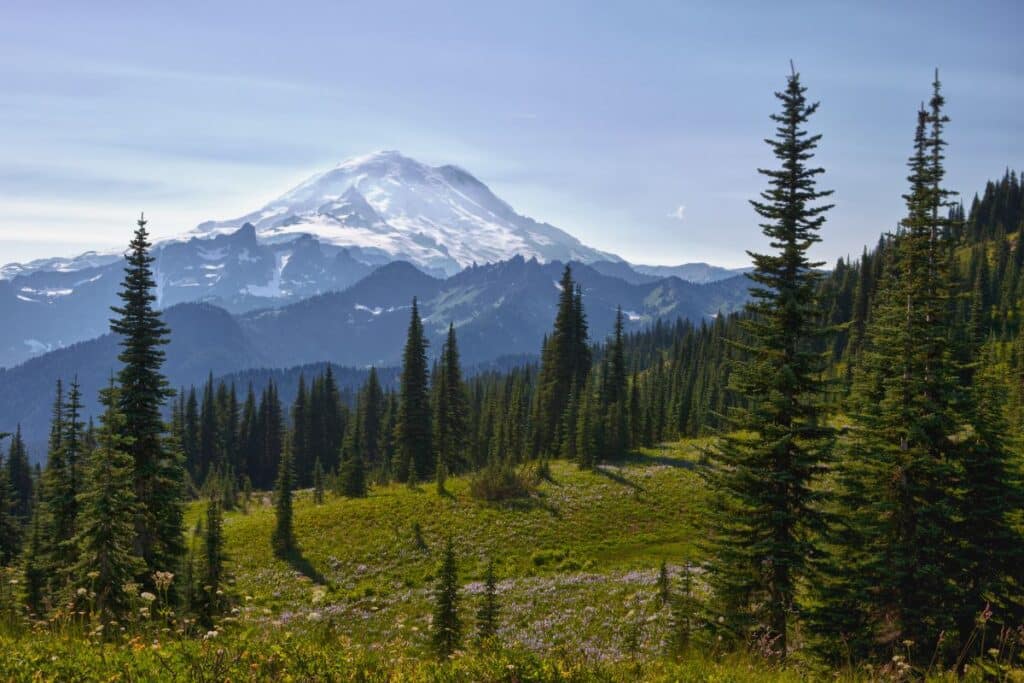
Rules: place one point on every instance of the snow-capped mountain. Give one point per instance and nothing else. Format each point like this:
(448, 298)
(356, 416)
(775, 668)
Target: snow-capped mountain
(385, 207)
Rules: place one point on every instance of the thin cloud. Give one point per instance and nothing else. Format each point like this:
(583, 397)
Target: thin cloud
(679, 213)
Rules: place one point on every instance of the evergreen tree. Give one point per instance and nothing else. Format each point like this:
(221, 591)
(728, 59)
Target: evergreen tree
(413, 430)
(664, 584)
(765, 472)
(213, 577)
(208, 447)
(565, 363)
(33, 562)
(283, 540)
(300, 435)
(447, 628)
(487, 614)
(889, 574)
(991, 497)
(107, 561)
(158, 476)
(371, 407)
(318, 482)
(19, 473)
(450, 411)
(10, 528)
(352, 476)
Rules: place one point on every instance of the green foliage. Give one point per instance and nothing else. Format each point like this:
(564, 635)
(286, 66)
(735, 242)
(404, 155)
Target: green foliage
(446, 626)
(765, 472)
(158, 472)
(283, 539)
(413, 444)
(487, 613)
(107, 562)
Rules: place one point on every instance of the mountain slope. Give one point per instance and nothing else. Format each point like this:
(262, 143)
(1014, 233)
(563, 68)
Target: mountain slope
(386, 207)
(500, 310)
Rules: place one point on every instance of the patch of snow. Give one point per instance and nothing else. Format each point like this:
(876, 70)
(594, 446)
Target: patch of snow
(212, 254)
(633, 316)
(25, 298)
(273, 287)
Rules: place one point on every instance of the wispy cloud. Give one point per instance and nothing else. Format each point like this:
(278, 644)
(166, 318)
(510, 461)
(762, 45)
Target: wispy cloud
(679, 213)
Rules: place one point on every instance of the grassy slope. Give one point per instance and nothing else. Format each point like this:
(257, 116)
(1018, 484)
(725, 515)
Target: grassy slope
(577, 564)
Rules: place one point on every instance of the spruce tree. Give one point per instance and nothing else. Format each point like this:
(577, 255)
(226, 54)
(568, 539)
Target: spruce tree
(413, 430)
(107, 561)
(157, 473)
(19, 473)
(10, 527)
(565, 362)
(764, 473)
(352, 476)
(318, 482)
(213, 575)
(283, 539)
(890, 573)
(33, 562)
(447, 629)
(450, 411)
(487, 614)
(991, 498)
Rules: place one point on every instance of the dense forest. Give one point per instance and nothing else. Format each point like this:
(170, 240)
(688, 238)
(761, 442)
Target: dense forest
(860, 431)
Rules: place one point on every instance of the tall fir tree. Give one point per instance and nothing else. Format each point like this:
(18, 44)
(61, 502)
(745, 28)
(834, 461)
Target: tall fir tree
(158, 475)
(565, 363)
(765, 472)
(450, 409)
(888, 575)
(413, 431)
(34, 563)
(10, 526)
(19, 473)
(105, 540)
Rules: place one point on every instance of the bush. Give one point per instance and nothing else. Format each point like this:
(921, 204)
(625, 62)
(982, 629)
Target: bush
(503, 482)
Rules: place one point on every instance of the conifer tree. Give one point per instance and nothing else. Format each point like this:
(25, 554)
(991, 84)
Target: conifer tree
(318, 482)
(892, 560)
(158, 474)
(283, 540)
(991, 498)
(106, 534)
(764, 474)
(213, 576)
(413, 431)
(450, 411)
(10, 528)
(19, 473)
(565, 363)
(352, 476)
(371, 408)
(300, 434)
(664, 584)
(33, 562)
(487, 614)
(447, 629)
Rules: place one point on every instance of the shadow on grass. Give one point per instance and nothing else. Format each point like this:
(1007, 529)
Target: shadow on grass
(645, 459)
(619, 479)
(527, 503)
(299, 563)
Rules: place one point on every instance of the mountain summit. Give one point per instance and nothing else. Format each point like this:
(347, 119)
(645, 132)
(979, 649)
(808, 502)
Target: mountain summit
(385, 207)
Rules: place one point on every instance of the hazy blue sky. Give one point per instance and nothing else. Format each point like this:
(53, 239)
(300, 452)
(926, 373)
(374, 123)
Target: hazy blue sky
(602, 118)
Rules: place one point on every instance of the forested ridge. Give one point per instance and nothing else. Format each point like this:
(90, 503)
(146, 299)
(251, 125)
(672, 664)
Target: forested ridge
(857, 433)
